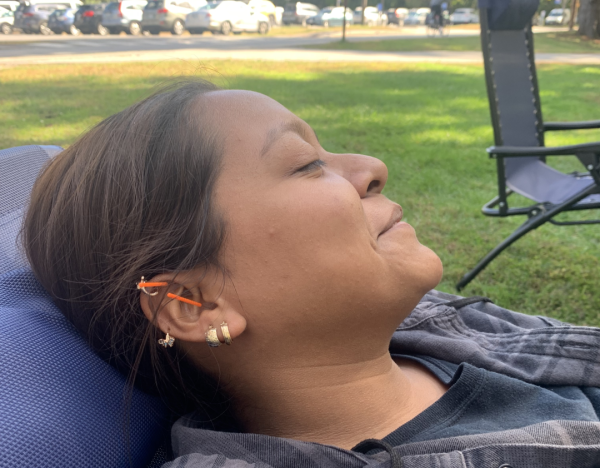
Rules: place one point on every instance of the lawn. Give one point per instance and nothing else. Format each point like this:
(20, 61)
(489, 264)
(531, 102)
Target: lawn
(544, 43)
(429, 123)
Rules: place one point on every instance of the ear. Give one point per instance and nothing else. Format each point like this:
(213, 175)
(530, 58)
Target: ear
(187, 322)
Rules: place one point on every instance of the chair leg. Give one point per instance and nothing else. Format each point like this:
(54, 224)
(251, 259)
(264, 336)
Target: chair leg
(539, 215)
(523, 229)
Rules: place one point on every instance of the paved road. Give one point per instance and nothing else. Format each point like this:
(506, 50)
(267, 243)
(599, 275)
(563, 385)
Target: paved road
(21, 45)
(22, 49)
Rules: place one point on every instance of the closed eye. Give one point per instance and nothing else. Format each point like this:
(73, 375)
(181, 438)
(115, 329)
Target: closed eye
(312, 166)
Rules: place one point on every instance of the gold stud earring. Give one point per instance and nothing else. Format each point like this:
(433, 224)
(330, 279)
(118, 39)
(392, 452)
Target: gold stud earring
(226, 335)
(167, 341)
(212, 338)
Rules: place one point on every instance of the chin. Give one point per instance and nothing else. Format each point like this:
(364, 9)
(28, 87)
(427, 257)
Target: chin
(430, 270)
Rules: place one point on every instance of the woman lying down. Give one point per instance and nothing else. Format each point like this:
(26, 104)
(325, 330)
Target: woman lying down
(207, 245)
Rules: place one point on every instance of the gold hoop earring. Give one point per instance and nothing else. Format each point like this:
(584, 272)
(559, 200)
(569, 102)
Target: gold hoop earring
(226, 335)
(212, 338)
(168, 341)
(144, 288)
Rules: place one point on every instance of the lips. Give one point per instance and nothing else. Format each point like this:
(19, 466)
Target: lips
(395, 217)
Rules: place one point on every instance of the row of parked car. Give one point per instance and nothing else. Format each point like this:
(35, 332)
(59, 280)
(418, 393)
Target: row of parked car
(138, 16)
(224, 16)
(307, 14)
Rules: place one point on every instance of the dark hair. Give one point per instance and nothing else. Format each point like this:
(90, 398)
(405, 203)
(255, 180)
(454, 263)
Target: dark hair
(133, 196)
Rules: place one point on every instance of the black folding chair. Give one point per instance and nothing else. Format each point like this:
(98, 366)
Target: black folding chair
(512, 87)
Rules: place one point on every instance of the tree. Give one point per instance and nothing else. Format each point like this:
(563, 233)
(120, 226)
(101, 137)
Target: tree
(589, 18)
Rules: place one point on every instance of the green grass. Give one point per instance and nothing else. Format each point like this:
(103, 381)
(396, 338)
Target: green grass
(544, 43)
(429, 123)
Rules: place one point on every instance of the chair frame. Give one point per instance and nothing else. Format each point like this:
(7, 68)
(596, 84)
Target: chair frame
(537, 213)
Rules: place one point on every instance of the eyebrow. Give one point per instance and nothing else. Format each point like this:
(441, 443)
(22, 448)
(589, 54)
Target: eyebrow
(295, 126)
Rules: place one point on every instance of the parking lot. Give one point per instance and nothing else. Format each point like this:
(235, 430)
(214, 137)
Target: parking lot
(43, 49)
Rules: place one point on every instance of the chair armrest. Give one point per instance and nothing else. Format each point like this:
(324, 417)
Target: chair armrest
(519, 151)
(549, 126)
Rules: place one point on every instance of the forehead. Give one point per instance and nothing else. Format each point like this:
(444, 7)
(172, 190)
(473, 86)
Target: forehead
(248, 122)
(243, 108)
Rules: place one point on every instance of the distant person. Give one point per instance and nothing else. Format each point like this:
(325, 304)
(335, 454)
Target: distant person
(542, 20)
(436, 13)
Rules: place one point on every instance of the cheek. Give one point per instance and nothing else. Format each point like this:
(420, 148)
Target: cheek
(294, 247)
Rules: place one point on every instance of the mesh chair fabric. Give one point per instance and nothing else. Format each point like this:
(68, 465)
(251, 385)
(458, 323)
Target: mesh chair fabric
(19, 167)
(515, 102)
(61, 405)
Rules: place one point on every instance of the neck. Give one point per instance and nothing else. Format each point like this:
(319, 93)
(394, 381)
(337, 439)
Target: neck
(336, 405)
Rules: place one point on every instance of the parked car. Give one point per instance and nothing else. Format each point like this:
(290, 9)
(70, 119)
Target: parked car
(124, 16)
(264, 7)
(226, 17)
(278, 15)
(464, 16)
(168, 15)
(62, 20)
(417, 16)
(397, 16)
(10, 5)
(298, 13)
(331, 16)
(558, 17)
(34, 18)
(7, 19)
(372, 16)
(88, 19)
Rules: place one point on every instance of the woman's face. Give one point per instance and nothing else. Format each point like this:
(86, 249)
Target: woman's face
(313, 249)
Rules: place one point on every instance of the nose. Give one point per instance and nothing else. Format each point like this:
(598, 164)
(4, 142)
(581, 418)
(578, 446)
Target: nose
(367, 174)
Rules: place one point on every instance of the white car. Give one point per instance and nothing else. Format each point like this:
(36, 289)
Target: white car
(372, 16)
(11, 5)
(279, 15)
(225, 17)
(417, 16)
(264, 7)
(7, 20)
(464, 16)
(558, 17)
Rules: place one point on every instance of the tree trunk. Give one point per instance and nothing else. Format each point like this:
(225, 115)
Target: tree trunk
(362, 13)
(589, 18)
(574, 7)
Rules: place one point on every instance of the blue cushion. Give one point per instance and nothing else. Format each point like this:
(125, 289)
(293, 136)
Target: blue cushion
(19, 167)
(60, 404)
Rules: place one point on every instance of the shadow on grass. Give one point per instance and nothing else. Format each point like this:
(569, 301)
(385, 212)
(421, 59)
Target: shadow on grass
(429, 123)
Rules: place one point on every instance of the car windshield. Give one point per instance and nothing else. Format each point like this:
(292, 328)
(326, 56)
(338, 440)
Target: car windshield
(114, 6)
(58, 12)
(326, 10)
(289, 7)
(154, 5)
(555, 13)
(209, 6)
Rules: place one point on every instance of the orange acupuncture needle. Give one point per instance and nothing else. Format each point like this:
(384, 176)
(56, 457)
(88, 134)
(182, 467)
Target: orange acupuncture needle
(183, 299)
(151, 285)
